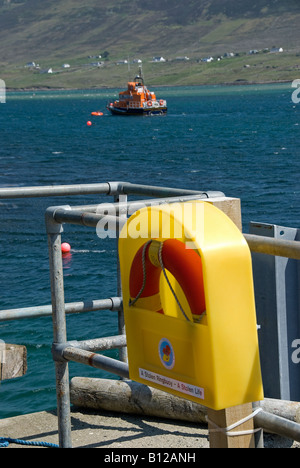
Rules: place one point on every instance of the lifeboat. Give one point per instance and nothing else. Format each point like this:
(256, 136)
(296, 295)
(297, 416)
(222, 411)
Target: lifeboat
(137, 100)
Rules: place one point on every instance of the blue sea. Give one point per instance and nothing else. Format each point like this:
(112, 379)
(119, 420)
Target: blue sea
(241, 140)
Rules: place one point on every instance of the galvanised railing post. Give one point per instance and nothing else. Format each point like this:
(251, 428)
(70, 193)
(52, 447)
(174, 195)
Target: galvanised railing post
(54, 231)
(121, 320)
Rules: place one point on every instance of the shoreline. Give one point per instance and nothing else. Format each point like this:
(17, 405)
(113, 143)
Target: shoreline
(234, 83)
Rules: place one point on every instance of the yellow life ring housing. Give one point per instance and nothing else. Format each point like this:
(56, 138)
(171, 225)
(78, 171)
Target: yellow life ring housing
(214, 359)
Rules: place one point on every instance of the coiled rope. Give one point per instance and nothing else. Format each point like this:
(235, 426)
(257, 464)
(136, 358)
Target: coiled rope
(5, 441)
(132, 302)
(168, 282)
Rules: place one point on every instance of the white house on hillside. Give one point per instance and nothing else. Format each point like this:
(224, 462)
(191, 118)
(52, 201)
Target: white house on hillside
(158, 59)
(274, 50)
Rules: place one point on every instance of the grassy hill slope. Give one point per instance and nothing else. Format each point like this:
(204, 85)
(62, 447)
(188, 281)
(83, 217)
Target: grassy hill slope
(52, 33)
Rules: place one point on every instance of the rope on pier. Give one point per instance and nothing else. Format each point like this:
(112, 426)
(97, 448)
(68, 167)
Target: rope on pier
(5, 441)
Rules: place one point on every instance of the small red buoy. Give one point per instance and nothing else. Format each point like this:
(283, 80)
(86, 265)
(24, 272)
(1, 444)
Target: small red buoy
(65, 247)
(89, 123)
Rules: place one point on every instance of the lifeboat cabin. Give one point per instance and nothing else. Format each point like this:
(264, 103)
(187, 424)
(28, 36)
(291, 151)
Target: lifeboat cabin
(137, 100)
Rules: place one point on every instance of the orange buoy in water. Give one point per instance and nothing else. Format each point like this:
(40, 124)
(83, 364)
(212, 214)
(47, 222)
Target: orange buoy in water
(89, 123)
(97, 113)
(65, 247)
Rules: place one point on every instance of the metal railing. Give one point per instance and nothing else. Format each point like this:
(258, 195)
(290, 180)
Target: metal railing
(270, 246)
(90, 215)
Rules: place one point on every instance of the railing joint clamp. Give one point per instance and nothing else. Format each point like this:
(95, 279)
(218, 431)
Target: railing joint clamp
(59, 348)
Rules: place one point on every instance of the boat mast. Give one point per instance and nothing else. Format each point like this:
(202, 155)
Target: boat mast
(139, 77)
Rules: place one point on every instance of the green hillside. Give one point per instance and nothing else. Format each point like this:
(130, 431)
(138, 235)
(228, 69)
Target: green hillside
(53, 33)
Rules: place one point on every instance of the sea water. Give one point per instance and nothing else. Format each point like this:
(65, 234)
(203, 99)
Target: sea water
(240, 140)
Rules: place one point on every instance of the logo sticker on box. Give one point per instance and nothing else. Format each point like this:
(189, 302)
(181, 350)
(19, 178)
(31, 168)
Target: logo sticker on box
(166, 353)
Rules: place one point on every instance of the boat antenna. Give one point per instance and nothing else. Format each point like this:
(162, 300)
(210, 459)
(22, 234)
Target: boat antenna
(139, 76)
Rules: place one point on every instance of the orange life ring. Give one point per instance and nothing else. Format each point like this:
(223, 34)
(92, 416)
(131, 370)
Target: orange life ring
(161, 102)
(183, 263)
(149, 103)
